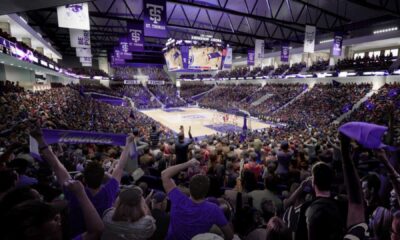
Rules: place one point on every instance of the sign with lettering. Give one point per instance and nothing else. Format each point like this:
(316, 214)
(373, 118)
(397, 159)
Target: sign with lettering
(155, 18)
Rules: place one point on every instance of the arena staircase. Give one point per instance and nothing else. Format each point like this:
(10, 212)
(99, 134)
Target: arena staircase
(294, 99)
(357, 105)
(245, 98)
(198, 96)
(261, 99)
(154, 96)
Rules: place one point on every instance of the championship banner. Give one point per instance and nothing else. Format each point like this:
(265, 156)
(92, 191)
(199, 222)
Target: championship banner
(117, 61)
(79, 38)
(250, 57)
(122, 55)
(155, 18)
(123, 45)
(88, 64)
(337, 45)
(85, 59)
(260, 45)
(83, 52)
(285, 52)
(135, 37)
(74, 16)
(309, 39)
(228, 59)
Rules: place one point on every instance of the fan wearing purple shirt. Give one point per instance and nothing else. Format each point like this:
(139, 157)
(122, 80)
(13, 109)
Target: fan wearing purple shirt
(192, 215)
(102, 196)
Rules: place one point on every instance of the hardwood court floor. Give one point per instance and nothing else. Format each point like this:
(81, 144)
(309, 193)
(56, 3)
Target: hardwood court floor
(203, 121)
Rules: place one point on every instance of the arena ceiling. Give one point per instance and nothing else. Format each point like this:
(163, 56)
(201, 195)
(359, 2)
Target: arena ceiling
(236, 22)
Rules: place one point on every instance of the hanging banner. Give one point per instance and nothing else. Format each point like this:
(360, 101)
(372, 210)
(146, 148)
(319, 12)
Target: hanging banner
(123, 45)
(285, 52)
(79, 38)
(117, 61)
(337, 45)
(228, 59)
(250, 57)
(122, 55)
(155, 18)
(85, 59)
(135, 37)
(88, 64)
(83, 52)
(74, 16)
(309, 39)
(259, 55)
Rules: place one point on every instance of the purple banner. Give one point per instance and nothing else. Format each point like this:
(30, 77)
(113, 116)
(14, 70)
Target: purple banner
(117, 61)
(185, 56)
(78, 137)
(135, 37)
(123, 45)
(337, 45)
(155, 18)
(122, 55)
(285, 52)
(250, 57)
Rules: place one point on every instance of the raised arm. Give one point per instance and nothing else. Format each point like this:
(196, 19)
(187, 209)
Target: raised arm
(296, 194)
(394, 176)
(123, 159)
(355, 214)
(46, 152)
(168, 173)
(94, 224)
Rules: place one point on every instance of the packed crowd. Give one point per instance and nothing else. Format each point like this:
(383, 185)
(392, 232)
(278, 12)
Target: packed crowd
(296, 68)
(139, 95)
(319, 66)
(270, 98)
(374, 63)
(281, 69)
(89, 71)
(188, 90)
(155, 74)
(321, 105)
(125, 73)
(380, 108)
(167, 94)
(273, 184)
(226, 97)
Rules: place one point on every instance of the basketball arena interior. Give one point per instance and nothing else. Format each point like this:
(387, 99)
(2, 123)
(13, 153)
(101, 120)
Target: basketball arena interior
(200, 119)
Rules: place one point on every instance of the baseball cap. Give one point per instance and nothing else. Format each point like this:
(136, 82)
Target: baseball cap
(159, 197)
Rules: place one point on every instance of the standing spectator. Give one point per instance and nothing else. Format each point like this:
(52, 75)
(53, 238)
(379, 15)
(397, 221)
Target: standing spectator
(194, 215)
(158, 211)
(181, 147)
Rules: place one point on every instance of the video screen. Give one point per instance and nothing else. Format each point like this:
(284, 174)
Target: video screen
(205, 58)
(173, 58)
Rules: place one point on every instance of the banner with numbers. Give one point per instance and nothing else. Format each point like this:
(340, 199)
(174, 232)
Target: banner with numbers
(259, 54)
(135, 37)
(285, 52)
(250, 57)
(337, 45)
(79, 38)
(74, 16)
(124, 45)
(155, 18)
(83, 52)
(309, 39)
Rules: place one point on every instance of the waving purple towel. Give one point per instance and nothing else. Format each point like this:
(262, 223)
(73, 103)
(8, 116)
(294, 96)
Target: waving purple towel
(367, 134)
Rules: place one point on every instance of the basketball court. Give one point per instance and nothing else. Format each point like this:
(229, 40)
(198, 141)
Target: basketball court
(203, 121)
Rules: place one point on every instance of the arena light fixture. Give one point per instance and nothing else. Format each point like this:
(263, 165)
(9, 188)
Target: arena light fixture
(385, 30)
(325, 41)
